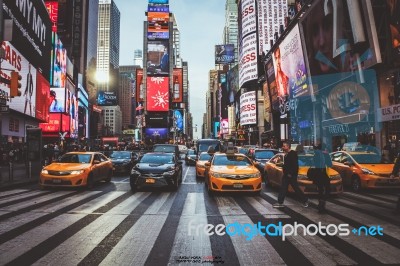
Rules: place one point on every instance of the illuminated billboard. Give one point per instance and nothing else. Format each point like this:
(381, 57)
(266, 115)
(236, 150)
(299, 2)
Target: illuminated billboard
(140, 93)
(15, 61)
(161, 2)
(233, 83)
(42, 98)
(157, 94)
(158, 25)
(157, 133)
(248, 108)
(52, 8)
(57, 100)
(178, 120)
(157, 58)
(59, 65)
(177, 89)
(106, 98)
(224, 54)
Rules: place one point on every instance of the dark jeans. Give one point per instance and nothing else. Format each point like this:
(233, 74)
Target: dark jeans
(323, 184)
(286, 180)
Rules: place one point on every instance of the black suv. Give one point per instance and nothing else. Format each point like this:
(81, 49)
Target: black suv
(167, 148)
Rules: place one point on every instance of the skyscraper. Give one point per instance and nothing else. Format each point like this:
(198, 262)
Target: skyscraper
(138, 58)
(108, 46)
(231, 25)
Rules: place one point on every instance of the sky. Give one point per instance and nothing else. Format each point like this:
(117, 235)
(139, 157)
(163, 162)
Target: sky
(201, 24)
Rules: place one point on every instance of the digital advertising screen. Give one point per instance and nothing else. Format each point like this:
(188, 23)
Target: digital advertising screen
(154, 133)
(248, 108)
(52, 8)
(157, 58)
(157, 94)
(57, 100)
(161, 2)
(59, 65)
(177, 89)
(57, 123)
(158, 25)
(15, 61)
(106, 98)
(140, 92)
(224, 54)
(178, 117)
(42, 98)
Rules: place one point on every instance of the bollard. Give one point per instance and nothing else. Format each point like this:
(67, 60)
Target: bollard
(29, 169)
(11, 176)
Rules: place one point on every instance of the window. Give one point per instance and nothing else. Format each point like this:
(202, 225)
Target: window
(13, 125)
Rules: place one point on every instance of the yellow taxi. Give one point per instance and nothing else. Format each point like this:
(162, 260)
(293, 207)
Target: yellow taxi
(363, 169)
(274, 172)
(231, 172)
(77, 169)
(200, 163)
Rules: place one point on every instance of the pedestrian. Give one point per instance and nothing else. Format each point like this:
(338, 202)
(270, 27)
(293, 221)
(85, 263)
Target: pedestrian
(395, 172)
(322, 162)
(290, 172)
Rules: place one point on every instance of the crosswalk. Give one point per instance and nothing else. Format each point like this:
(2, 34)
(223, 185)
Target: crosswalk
(159, 228)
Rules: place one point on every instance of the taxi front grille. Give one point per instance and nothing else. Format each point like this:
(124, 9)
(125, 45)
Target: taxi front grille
(231, 187)
(60, 183)
(236, 177)
(58, 173)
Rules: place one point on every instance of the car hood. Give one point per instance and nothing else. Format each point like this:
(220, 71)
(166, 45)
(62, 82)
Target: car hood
(232, 169)
(378, 168)
(67, 166)
(153, 168)
(201, 162)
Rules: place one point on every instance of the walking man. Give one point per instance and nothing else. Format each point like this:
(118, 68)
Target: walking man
(322, 161)
(290, 171)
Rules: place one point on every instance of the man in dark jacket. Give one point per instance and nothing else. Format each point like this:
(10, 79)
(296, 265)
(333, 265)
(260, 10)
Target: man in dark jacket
(290, 172)
(322, 161)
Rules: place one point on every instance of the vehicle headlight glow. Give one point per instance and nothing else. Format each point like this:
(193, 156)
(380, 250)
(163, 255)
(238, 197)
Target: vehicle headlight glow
(255, 175)
(77, 172)
(45, 172)
(216, 175)
(171, 172)
(367, 171)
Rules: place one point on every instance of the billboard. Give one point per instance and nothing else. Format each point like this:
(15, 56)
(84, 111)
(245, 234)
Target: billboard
(223, 93)
(289, 66)
(177, 89)
(273, 92)
(161, 2)
(157, 119)
(71, 108)
(14, 60)
(267, 108)
(31, 32)
(178, 119)
(140, 93)
(52, 8)
(57, 123)
(329, 44)
(42, 98)
(57, 100)
(224, 54)
(158, 25)
(157, 58)
(393, 16)
(59, 65)
(233, 83)
(224, 126)
(106, 98)
(248, 108)
(271, 20)
(157, 96)
(154, 133)
(248, 59)
(158, 8)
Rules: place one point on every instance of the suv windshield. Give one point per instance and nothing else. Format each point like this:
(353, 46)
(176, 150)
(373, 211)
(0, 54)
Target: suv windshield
(120, 155)
(169, 149)
(157, 159)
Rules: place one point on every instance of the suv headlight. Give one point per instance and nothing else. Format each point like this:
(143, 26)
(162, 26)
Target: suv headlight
(367, 171)
(77, 172)
(216, 175)
(45, 172)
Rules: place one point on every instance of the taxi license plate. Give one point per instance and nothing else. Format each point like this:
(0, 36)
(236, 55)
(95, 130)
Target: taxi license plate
(238, 185)
(150, 180)
(56, 181)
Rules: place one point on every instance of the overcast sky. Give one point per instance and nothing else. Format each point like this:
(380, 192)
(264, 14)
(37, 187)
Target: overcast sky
(201, 26)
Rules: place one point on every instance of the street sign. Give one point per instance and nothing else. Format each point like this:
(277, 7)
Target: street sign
(4, 109)
(3, 101)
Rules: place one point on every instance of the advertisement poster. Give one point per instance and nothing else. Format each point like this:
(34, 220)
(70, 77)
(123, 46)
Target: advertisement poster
(248, 108)
(178, 119)
(158, 25)
(59, 66)
(289, 66)
(52, 8)
(42, 98)
(157, 94)
(233, 83)
(156, 133)
(140, 93)
(157, 58)
(57, 123)
(177, 87)
(248, 59)
(15, 61)
(224, 54)
(106, 98)
(57, 100)
(267, 108)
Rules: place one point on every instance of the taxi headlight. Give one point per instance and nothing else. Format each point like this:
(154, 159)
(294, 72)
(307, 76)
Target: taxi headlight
(367, 171)
(45, 172)
(77, 172)
(302, 177)
(216, 175)
(255, 175)
(335, 177)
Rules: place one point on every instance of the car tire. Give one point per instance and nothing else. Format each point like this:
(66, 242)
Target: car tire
(90, 182)
(355, 184)
(109, 176)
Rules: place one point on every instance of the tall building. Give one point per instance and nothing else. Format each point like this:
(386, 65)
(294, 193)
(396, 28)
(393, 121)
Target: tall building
(108, 46)
(231, 32)
(176, 42)
(138, 58)
(112, 117)
(126, 94)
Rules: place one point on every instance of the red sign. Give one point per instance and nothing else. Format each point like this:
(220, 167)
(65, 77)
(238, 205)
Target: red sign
(52, 8)
(57, 123)
(42, 98)
(96, 109)
(139, 85)
(157, 94)
(177, 87)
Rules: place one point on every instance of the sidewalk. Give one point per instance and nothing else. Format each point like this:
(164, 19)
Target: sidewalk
(19, 176)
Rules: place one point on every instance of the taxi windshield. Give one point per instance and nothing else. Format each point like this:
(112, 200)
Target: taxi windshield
(235, 160)
(205, 157)
(121, 155)
(367, 158)
(76, 158)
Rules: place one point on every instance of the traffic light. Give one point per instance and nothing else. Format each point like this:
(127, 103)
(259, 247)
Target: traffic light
(15, 85)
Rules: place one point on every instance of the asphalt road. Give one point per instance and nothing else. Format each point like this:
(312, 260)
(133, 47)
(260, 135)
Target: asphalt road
(109, 225)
